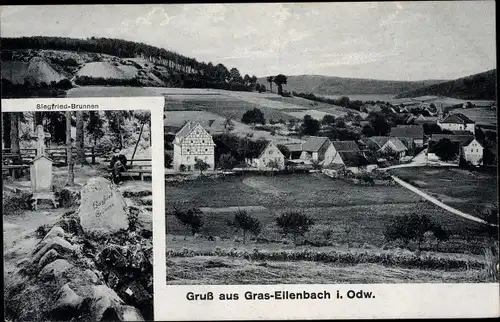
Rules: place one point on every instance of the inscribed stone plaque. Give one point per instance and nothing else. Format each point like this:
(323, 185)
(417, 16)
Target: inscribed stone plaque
(102, 208)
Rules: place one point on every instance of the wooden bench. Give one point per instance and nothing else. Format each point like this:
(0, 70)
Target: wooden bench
(142, 170)
(11, 167)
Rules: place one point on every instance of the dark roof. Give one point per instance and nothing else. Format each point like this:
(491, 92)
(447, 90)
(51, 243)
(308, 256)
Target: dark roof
(185, 130)
(398, 145)
(458, 118)
(461, 133)
(432, 145)
(314, 143)
(353, 159)
(462, 139)
(407, 131)
(294, 147)
(348, 146)
(258, 148)
(379, 140)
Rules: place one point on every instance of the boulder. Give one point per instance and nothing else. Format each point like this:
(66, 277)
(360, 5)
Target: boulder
(113, 256)
(48, 258)
(59, 244)
(55, 231)
(91, 276)
(67, 304)
(56, 268)
(107, 305)
(103, 209)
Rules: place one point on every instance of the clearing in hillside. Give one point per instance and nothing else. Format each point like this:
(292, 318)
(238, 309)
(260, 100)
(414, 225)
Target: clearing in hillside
(107, 70)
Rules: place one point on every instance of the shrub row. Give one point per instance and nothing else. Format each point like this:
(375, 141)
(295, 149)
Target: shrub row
(387, 259)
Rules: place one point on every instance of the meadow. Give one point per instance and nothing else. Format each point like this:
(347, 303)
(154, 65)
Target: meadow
(465, 190)
(479, 115)
(335, 204)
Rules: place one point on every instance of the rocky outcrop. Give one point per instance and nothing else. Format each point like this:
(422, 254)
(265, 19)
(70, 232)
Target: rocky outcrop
(75, 275)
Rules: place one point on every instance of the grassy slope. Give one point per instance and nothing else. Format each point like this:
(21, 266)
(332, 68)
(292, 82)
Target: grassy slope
(329, 85)
(478, 86)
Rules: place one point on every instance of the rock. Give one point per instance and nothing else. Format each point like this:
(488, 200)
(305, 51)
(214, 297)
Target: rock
(59, 244)
(103, 298)
(71, 225)
(56, 268)
(56, 231)
(136, 257)
(23, 262)
(48, 258)
(137, 294)
(102, 208)
(91, 276)
(130, 313)
(67, 304)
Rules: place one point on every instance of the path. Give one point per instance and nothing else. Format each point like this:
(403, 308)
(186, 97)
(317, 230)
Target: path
(437, 202)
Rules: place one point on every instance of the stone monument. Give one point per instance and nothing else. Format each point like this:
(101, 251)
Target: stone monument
(41, 171)
(102, 207)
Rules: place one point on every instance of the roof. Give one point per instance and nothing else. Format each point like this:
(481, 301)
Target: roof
(353, 159)
(461, 133)
(294, 147)
(185, 130)
(314, 143)
(379, 140)
(407, 131)
(398, 145)
(462, 139)
(258, 148)
(350, 146)
(457, 118)
(432, 146)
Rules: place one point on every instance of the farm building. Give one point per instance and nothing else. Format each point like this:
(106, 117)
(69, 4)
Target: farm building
(457, 122)
(268, 158)
(376, 142)
(193, 142)
(468, 147)
(395, 145)
(351, 160)
(421, 120)
(317, 148)
(413, 134)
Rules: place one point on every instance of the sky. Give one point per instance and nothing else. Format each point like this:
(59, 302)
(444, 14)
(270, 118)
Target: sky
(386, 40)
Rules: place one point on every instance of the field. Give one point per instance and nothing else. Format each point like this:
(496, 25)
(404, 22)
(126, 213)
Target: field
(461, 189)
(479, 115)
(363, 97)
(331, 203)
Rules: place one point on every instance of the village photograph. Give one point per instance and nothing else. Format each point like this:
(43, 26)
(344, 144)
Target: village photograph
(77, 215)
(308, 143)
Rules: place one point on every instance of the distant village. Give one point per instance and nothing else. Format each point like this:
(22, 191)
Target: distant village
(433, 136)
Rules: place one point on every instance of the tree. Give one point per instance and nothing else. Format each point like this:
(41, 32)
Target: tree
(446, 150)
(242, 221)
(379, 124)
(227, 161)
(94, 126)
(328, 119)
(280, 80)
(344, 101)
(190, 218)
(246, 80)
(440, 234)
(257, 87)
(69, 154)
(14, 137)
(368, 131)
(294, 223)
(309, 126)
(407, 228)
(262, 88)
(270, 80)
(80, 142)
(201, 165)
(253, 117)
(235, 75)
(6, 124)
(228, 124)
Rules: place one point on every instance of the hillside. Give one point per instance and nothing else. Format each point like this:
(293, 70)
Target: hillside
(328, 85)
(478, 86)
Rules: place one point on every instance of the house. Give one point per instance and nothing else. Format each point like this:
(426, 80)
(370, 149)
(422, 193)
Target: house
(193, 142)
(395, 145)
(413, 134)
(421, 120)
(351, 160)
(318, 149)
(457, 122)
(376, 142)
(468, 147)
(295, 150)
(269, 157)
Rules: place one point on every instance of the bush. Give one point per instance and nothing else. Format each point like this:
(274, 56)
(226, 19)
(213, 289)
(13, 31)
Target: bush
(14, 203)
(319, 235)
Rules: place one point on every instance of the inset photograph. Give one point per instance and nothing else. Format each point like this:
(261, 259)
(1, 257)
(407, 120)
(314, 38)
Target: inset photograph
(77, 215)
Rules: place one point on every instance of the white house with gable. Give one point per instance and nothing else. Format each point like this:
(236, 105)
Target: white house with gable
(264, 159)
(193, 142)
(473, 152)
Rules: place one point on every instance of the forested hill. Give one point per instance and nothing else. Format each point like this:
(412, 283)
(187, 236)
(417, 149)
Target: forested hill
(329, 85)
(32, 62)
(478, 86)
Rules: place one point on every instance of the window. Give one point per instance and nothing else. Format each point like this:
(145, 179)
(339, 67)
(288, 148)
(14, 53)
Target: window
(191, 141)
(187, 150)
(203, 141)
(206, 150)
(263, 160)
